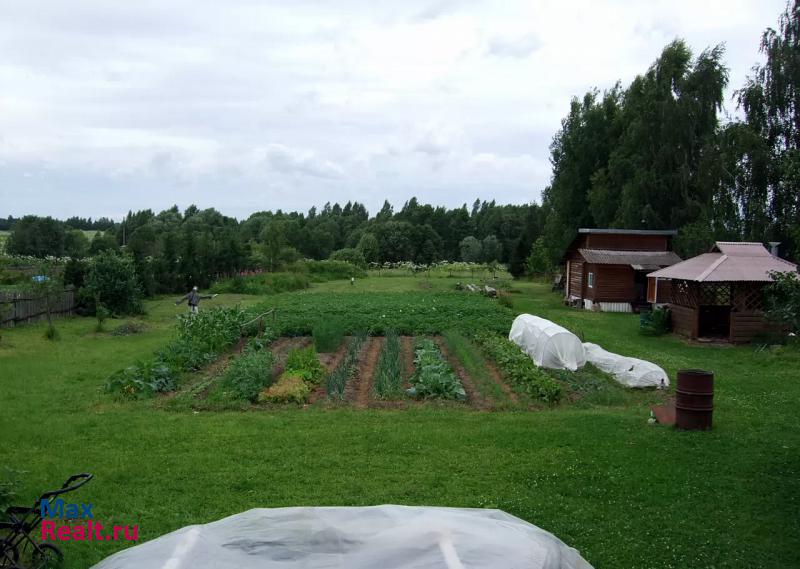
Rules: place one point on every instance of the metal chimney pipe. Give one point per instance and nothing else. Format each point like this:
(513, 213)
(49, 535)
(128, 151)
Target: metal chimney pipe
(773, 248)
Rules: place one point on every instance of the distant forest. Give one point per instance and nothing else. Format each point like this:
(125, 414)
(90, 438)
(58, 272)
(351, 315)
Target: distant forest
(652, 155)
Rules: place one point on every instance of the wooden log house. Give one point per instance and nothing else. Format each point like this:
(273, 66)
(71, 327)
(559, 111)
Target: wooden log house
(606, 269)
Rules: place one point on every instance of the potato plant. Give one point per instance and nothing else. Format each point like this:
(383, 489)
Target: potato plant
(519, 370)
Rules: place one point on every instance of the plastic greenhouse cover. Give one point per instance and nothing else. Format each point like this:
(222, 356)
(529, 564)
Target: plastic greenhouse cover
(377, 537)
(547, 343)
(630, 372)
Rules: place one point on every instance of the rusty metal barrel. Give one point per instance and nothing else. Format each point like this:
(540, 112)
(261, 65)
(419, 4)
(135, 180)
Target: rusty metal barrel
(694, 399)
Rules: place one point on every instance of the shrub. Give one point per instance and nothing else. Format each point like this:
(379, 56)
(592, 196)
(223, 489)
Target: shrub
(349, 255)
(656, 323)
(266, 283)
(102, 314)
(519, 370)
(251, 372)
(433, 377)
(782, 300)
(303, 362)
(290, 388)
(328, 335)
(112, 280)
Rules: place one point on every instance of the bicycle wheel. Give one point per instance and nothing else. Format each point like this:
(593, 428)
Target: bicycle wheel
(9, 556)
(49, 556)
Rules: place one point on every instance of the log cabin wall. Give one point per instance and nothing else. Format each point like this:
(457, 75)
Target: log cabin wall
(614, 283)
(575, 276)
(590, 292)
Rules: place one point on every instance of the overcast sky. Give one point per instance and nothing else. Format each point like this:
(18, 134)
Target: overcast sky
(247, 105)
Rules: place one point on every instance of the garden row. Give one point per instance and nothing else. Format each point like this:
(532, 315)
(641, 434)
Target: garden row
(224, 358)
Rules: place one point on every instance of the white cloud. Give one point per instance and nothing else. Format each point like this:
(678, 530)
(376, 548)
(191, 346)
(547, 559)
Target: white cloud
(106, 107)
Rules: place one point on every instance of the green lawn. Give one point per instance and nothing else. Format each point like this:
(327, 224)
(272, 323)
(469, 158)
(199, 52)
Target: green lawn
(625, 493)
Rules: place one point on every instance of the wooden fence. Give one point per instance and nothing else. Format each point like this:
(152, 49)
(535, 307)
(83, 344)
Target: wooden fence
(20, 307)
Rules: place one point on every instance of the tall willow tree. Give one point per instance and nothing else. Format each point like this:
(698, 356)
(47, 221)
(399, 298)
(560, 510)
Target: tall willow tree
(766, 175)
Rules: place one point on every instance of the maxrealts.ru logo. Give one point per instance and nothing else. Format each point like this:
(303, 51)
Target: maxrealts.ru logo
(88, 531)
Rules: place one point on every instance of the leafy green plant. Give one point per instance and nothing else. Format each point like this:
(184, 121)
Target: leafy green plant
(337, 380)
(519, 370)
(433, 377)
(656, 323)
(389, 372)
(303, 362)
(249, 373)
(200, 339)
(143, 379)
(328, 335)
(290, 388)
(101, 313)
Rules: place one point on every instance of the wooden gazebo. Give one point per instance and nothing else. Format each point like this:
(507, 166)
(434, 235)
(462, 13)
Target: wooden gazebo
(718, 294)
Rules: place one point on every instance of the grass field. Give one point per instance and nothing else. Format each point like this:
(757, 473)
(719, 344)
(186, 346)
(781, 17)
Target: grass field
(625, 493)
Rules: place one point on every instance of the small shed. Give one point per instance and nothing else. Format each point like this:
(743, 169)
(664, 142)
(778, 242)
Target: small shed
(607, 269)
(719, 294)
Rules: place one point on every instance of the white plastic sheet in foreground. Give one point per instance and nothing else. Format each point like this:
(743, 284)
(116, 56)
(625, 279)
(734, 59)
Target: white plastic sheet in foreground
(547, 343)
(630, 372)
(379, 537)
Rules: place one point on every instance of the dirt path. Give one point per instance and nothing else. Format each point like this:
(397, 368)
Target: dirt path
(366, 371)
(350, 387)
(474, 397)
(329, 361)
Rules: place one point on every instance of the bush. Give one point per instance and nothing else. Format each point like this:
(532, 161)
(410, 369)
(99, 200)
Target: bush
(290, 388)
(266, 283)
(251, 372)
(782, 300)
(655, 323)
(328, 335)
(112, 281)
(349, 255)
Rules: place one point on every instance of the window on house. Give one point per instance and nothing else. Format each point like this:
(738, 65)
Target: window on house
(591, 280)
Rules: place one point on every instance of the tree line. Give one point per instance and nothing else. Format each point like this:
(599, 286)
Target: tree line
(655, 155)
(173, 249)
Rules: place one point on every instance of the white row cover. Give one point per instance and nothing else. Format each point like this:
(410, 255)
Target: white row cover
(630, 372)
(548, 344)
(378, 537)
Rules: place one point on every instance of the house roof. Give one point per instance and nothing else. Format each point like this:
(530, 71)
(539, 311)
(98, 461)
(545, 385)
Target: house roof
(671, 232)
(728, 262)
(640, 258)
